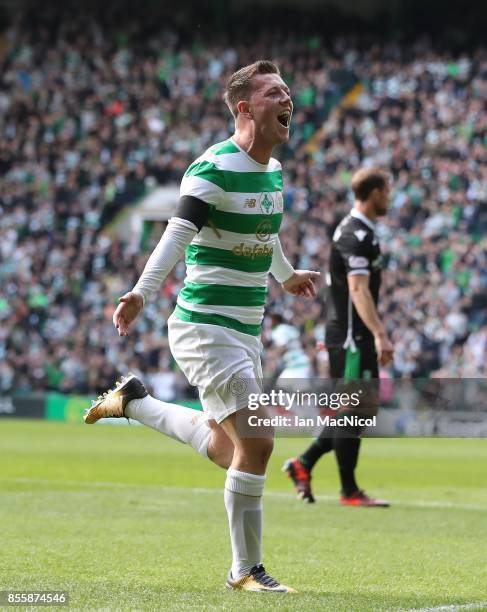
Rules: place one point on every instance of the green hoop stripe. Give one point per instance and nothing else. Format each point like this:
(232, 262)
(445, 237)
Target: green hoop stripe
(214, 319)
(245, 224)
(239, 182)
(225, 147)
(223, 295)
(208, 171)
(209, 256)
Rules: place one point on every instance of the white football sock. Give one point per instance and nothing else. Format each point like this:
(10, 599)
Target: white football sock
(181, 423)
(243, 501)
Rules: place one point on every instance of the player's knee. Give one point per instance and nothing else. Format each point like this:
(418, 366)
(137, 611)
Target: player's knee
(348, 431)
(353, 426)
(255, 452)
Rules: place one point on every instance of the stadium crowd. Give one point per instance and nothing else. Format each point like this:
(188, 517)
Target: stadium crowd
(90, 122)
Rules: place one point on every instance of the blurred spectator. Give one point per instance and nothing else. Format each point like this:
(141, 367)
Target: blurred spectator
(292, 360)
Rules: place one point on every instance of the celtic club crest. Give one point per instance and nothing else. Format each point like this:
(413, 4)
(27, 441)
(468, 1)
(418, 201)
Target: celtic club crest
(266, 203)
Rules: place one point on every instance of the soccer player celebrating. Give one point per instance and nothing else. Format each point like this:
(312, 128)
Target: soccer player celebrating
(356, 338)
(228, 220)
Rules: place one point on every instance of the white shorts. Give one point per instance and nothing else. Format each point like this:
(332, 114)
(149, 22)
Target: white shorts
(223, 363)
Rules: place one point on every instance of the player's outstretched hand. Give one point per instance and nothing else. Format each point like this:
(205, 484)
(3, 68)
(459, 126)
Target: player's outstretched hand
(302, 283)
(131, 304)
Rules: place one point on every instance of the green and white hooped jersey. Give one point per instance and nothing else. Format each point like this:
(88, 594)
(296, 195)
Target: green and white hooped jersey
(229, 259)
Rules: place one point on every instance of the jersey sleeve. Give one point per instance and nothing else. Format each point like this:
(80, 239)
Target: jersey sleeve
(356, 253)
(205, 181)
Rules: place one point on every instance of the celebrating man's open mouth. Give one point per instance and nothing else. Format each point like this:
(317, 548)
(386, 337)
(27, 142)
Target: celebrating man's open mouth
(284, 118)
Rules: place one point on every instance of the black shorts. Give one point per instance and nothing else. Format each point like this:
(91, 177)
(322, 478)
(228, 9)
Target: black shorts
(362, 364)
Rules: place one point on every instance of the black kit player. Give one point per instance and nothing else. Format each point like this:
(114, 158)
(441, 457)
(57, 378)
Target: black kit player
(356, 338)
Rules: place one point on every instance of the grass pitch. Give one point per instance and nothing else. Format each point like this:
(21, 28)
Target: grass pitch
(121, 517)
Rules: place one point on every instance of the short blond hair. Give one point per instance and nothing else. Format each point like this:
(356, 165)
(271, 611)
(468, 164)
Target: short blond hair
(365, 180)
(239, 85)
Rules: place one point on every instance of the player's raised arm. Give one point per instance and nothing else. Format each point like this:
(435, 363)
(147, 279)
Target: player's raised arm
(181, 229)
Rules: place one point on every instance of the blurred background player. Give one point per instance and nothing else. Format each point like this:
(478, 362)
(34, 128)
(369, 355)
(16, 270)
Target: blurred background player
(356, 337)
(228, 220)
(295, 362)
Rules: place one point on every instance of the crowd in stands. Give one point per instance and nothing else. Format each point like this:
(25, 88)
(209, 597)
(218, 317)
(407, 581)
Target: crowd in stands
(91, 120)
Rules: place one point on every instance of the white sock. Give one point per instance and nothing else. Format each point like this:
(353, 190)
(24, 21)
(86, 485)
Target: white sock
(181, 423)
(243, 501)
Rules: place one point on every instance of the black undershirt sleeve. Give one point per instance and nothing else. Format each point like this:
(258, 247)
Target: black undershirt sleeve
(194, 210)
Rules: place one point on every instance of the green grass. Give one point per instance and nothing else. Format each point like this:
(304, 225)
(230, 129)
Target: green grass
(122, 517)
